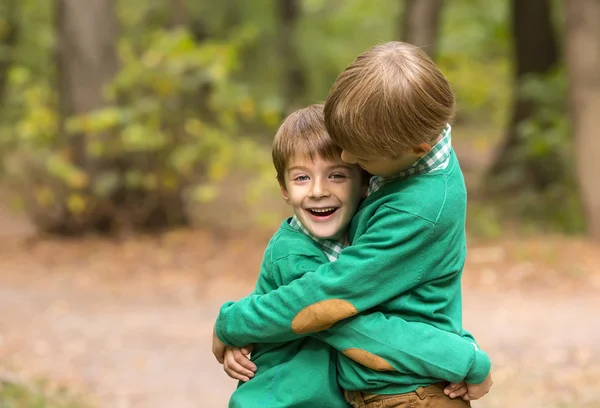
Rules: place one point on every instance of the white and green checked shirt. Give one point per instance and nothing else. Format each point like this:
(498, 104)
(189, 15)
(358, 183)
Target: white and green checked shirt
(437, 159)
(330, 247)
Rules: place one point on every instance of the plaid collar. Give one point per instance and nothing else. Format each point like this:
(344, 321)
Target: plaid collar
(437, 159)
(330, 247)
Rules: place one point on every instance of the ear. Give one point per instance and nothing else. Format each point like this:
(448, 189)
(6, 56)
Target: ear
(284, 193)
(422, 149)
(365, 191)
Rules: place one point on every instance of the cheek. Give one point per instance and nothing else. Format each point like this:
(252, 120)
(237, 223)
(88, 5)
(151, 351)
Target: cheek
(292, 198)
(351, 195)
(296, 194)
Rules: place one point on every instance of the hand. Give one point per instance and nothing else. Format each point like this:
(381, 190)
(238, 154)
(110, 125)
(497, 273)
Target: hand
(237, 363)
(456, 390)
(218, 347)
(476, 391)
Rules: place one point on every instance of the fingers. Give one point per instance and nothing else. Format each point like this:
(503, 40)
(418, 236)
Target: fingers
(452, 387)
(242, 359)
(455, 390)
(248, 349)
(459, 392)
(234, 372)
(238, 366)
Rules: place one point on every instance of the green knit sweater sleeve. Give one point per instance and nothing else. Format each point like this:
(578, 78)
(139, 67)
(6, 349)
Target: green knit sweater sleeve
(479, 371)
(379, 341)
(410, 347)
(388, 259)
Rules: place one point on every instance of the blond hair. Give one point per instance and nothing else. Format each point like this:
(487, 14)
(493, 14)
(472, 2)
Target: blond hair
(389, 100)
(303, 134)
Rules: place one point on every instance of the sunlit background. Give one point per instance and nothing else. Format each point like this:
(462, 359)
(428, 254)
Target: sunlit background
(137, 191)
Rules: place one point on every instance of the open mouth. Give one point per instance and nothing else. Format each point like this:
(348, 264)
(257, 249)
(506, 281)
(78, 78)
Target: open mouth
(322, 212)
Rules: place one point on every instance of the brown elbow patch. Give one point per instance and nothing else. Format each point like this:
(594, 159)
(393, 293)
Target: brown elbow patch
(368, 359)
(322, 315)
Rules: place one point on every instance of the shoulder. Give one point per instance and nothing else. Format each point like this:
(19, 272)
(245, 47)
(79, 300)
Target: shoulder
(288, 242)
(427, 196)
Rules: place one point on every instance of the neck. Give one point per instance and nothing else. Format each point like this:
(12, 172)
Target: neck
(437, 140)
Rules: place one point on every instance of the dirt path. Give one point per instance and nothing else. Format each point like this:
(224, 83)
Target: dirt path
(130, 322)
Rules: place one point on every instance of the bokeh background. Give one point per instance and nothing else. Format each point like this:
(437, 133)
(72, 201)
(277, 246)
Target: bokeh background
(137, 192)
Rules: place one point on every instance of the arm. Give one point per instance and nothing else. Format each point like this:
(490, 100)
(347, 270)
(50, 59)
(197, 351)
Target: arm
(320, 298)
(412, 347)
(235, 360)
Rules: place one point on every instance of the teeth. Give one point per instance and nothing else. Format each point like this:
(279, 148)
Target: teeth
(322, 210)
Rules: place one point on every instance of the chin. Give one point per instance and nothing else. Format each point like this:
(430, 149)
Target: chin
(333, 234)
(323, 234)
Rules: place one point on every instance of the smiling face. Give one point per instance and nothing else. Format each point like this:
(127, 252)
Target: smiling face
(324, 194)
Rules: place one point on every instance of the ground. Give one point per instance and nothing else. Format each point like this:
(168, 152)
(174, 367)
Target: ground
(128, 322)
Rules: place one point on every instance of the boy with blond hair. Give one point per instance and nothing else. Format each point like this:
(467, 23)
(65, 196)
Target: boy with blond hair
(389, 111)
(324, 193)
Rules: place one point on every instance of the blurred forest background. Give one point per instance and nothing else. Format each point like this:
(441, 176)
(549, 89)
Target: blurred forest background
(125, 114)
(124, 117)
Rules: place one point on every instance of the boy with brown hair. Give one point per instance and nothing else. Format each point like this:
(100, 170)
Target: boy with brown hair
(389, 112)
(324, 193)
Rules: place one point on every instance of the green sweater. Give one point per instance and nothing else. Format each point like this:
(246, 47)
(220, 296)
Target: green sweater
(302, 372)
(405, 262)
(299, 373)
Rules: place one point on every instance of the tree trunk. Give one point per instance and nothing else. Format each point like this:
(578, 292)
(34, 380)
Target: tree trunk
(87, 60)
(87, 33)
(294, 79)
(535, 53)
(421, 24)
(8, 40)
(582, 52)
(233, 15)
(177, 13)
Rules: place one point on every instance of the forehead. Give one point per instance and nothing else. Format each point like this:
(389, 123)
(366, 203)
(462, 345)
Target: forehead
(305, 160)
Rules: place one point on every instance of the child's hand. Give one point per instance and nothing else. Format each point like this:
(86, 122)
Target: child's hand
(237, 364)
(456, 390)
(476, 391)
(218, 347)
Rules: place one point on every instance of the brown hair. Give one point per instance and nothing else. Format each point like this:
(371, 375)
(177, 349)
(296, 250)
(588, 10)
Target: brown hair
(389, 100)
(302, 133)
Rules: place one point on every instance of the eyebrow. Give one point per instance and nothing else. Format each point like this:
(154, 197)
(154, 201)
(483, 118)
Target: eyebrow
(340, 166)
(296, 168)
(331, 168)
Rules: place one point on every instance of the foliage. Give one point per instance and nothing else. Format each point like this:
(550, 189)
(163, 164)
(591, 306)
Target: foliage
(187, 109)
(548, 142)
(172, 124)
(475, 55)
(552, 202)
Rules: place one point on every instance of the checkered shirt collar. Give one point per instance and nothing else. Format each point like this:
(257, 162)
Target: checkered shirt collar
(436, 159)
(330, 247)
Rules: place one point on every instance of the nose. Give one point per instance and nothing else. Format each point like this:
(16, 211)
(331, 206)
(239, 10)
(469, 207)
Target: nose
(348, 157)
(319, 188)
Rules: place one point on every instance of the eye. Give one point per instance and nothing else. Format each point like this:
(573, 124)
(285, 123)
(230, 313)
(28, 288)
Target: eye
(301, 178)
(338, 176)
